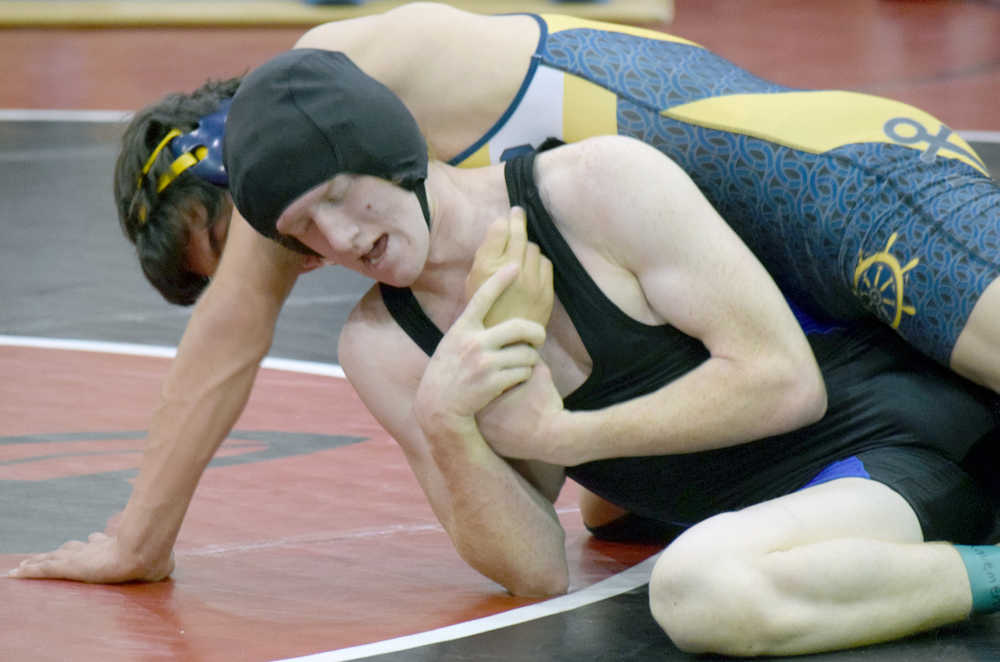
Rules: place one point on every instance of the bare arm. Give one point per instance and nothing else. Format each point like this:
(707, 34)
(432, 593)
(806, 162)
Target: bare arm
(500, 523)
(206, 389)
(663, 254)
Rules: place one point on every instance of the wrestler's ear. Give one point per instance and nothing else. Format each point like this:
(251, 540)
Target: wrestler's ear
(310, 262)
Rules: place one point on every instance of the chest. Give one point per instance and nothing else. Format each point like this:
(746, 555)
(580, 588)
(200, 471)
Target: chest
(565, 351)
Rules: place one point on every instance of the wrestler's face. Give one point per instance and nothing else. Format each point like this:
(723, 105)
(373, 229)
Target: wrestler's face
(364, 223)
(206, 240)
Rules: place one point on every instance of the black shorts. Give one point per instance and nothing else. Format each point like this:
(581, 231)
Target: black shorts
(906, 421)
(949, 503)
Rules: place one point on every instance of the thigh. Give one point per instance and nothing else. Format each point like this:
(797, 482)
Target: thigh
(948, 502)
(841, 508)
(907, 494)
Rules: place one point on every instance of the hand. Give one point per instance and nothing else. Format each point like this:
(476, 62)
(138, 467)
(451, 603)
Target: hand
(530, 296)
(97, 561)
(522, 422)
(474, 364)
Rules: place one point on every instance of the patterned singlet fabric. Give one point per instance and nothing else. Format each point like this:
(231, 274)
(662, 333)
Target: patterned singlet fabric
(856, 204)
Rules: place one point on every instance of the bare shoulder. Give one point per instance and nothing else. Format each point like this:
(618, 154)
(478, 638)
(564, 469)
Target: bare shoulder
(407, 21)
(369, 326)
(383, 365)
(613, 158)
(591, 187)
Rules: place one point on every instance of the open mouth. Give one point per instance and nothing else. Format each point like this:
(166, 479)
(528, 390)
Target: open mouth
(377, 250)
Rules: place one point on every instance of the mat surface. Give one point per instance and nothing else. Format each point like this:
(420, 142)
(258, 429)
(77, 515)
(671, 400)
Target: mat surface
(269, 558)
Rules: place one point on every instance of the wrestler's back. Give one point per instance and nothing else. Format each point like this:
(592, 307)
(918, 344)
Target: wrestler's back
(456, 71)
(804, 201)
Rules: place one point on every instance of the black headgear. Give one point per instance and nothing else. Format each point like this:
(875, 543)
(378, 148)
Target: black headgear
(305, 116)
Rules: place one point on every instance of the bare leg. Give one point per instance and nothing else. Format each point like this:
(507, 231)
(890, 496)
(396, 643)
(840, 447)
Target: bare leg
(835, 566)
(976, 354)
(595, 511)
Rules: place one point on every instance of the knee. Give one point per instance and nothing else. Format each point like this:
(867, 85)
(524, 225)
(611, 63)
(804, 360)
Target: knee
(715, 601)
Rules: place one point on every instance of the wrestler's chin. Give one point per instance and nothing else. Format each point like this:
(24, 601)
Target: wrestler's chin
(393, 269)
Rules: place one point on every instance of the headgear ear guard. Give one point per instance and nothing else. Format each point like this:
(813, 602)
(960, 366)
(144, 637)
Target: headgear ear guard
(199, 150)
(202, 148)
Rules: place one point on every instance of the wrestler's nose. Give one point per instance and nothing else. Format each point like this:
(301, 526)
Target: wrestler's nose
(338, 230)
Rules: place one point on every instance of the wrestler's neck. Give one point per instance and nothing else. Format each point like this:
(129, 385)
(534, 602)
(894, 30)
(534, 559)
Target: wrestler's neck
(463, 203)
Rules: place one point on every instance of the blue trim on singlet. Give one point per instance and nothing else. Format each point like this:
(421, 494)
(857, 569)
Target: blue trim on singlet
(811, 325)
(852, 467)
(536, 58)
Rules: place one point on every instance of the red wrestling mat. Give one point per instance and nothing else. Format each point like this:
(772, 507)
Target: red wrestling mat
(307, 533)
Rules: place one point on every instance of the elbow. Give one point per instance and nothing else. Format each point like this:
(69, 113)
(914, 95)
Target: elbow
(544, 581)
(526, 573)
(801, 392)
(811, 392)
(543, 586)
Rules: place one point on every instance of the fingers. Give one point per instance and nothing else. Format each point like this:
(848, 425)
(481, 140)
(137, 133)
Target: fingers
(517, 231)
(487, 294)
(64, 562)
(515, 331)
(519, 355)
(42, 566)
(512, 365)
(34, 570)
(495, 242)
(508, 378)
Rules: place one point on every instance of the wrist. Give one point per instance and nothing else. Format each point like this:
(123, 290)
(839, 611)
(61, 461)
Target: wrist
(451, 437)
(563, 433)
(144, 541)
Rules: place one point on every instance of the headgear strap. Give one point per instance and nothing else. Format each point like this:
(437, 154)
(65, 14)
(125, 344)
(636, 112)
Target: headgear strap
(199, 150)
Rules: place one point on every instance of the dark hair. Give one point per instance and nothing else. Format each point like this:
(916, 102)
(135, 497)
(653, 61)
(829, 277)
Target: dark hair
(156, 222)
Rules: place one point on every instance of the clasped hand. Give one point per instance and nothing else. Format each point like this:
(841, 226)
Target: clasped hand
(487, 369)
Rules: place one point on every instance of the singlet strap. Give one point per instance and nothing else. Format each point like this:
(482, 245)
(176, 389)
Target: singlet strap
(406, 310)
(576, 290)
(628, 358)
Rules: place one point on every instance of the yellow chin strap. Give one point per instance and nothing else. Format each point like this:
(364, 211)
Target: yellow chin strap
(179, 165)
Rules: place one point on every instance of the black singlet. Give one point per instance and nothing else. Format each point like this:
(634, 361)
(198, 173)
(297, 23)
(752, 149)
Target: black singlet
(881, 394)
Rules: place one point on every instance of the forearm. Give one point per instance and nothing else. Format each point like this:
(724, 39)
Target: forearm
(721, 403)
(204, 393)
(499, 523)
(183, 438)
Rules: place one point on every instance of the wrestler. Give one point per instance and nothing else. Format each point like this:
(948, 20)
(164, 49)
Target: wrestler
(645, 384)
(856, 205)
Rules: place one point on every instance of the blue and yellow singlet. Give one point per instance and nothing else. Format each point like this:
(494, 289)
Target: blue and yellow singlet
(856, 204)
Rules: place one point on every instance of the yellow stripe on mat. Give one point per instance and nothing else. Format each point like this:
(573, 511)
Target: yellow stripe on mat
(263, 13)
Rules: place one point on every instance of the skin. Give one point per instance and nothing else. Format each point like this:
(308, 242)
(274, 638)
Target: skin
(674, 252)
(209, 382)
(389, 48)
(501, 492)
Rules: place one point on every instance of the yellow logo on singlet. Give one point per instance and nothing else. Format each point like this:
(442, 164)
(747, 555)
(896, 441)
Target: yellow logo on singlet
(879, 280)
(821, 120)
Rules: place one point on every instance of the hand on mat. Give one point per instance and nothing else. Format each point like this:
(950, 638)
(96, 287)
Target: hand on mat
(474, 364)
(530, 296)
(97, 561)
